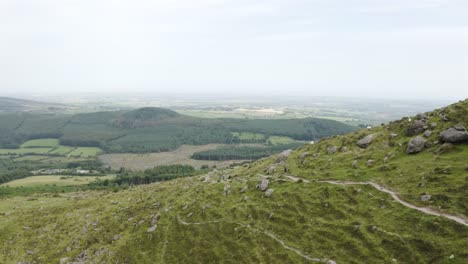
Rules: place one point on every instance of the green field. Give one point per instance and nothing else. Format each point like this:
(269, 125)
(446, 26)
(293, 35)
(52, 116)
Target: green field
(85, 152)
(22, 151)
(41, 143)
(249, 136)
(279, 140)
(35, 181)
(62, 150)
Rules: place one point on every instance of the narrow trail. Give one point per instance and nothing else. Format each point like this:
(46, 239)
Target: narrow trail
(269, 234)
(426, 210)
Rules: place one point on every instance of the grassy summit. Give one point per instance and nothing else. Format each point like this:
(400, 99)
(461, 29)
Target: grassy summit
(225, 217)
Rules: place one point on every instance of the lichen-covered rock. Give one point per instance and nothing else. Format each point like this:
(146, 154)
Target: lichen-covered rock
(416, 145)
(453, 135)
(269, 192)
(283, 156)
(427, 133)
(331, 150)
(366, 141)
(263, 184)
(416, 128)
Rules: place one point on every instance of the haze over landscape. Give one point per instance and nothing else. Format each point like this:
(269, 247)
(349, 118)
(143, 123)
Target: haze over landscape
(220, 131)
(378, 49)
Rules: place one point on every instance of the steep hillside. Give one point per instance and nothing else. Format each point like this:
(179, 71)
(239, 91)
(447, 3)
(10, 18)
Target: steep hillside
(300, 206)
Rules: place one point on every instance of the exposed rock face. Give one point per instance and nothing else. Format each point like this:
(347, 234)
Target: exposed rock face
(366, 141)
(427, 133)
(416, 145)
(283, 156)
(332, 150)
(269, 192)
(416, 128)
(454, 135)
(264, 184)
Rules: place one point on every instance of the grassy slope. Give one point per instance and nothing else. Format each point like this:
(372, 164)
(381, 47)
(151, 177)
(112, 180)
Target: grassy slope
(198, 224)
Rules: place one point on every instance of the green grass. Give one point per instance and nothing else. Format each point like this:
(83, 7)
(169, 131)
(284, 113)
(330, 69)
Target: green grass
(85, 152)
(23, 151)
(42, 180)
(346, 224)
(279, 140)
(62, 150)
(41, 143)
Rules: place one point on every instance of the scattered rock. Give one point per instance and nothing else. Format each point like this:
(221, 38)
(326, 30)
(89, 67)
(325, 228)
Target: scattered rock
(433, 125)
(444, 148)
(63, 260)
(366, 141)
(370, 163)
(29, 252)
(226, 189)
(444, 117)
(331, 150)
(422, 116)
(270, 170)
(416, 128)
(393, 135)
(263, 184)
(344, 149)
(453, 135)
(269, 192)
(246, 198)
(459, 127)
(305, 155)
(416, 145)
(152, 229)
(26, 227)
(68, 249)
(427, 133)
(354, 164)
(283, 156)
(244, 189)
(425, 197)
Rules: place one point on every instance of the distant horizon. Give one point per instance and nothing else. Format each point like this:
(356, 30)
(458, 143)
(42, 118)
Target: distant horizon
(414, 49)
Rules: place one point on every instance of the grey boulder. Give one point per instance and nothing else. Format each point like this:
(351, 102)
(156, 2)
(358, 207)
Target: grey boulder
(453, 135)
(366, 141)
(416, 145)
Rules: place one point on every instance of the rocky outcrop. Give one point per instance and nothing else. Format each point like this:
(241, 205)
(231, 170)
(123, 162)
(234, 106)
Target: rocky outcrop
(283, 156)
(366, 141)
(416, 145)
(455, 134)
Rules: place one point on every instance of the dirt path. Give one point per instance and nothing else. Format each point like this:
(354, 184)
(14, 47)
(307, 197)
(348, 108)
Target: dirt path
(269, 234)
(426, 210)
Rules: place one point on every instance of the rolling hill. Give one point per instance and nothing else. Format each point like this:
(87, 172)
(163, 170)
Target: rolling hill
(151, 129)
(390, 194)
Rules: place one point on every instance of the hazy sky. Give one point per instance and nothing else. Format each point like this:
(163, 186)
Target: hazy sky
(371, 48)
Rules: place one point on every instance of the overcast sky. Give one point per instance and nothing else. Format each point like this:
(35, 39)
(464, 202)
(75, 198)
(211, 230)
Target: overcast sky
(369, 48)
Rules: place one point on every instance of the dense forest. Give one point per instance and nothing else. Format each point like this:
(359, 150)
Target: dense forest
(156, 174)
(242, 152)
(151, 129)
